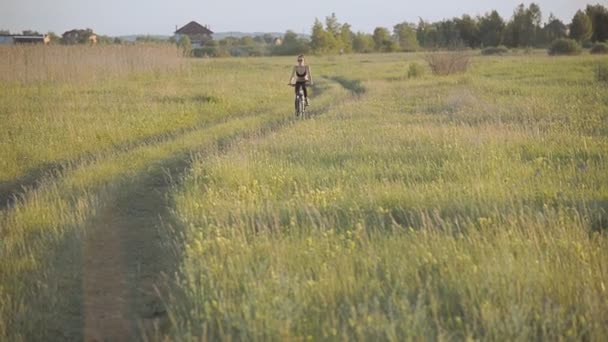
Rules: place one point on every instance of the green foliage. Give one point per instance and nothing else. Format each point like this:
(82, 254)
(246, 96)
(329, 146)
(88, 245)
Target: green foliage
(363, 43)
(383, 42)
(291, 46)
(495, 50)
(554, 29)
(406, 37)
(415, 70)
(185, 45)
(581, 29)
(524, 28)
(54, 38)
(468, 29)
(565, 47)
(76, 36)
(491, 29)
(599, 49)
(332, 38)
(598, 14)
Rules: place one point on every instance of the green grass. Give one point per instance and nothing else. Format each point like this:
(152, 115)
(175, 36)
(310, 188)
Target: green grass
(441, 208)
(107, 137)
(469, 206)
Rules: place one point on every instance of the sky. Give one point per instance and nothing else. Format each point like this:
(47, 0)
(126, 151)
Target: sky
(126, 17)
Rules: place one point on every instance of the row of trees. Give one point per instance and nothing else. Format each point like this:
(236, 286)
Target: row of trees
(524, 29)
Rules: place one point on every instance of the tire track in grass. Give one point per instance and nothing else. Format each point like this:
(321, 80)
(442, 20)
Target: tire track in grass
(102, 281)
(127, 257)
(13, 190)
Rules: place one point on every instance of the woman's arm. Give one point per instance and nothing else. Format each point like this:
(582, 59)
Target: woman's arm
(293, 72)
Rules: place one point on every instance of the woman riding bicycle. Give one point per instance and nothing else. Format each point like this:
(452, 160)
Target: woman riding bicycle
(302, 76)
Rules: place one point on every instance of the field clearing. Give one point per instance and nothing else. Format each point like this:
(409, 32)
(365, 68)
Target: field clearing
(182, 201)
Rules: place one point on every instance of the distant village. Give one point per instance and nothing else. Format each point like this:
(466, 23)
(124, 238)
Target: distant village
(196, 39)
(197, 33)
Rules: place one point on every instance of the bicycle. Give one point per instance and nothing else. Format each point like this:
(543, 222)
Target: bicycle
(300, 104)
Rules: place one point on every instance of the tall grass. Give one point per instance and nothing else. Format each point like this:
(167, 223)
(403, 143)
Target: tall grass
(453, 208)
(26, 64)
(42, 234)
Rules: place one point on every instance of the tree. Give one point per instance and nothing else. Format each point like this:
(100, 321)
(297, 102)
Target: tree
(30, 33)
(185, 45)
(406, 36)
(491, 29)
(599, 21)
(76, 36)
(247, 41)
(524, 27)
(5, 32)
(448, 35)
(468, 29)
(332, 25)
(554, 29)
(427, 34)
(53, 38)
(580, 28)
(268, 38)
(346, 37)
(292, 45)
(383, 41)
(363, 43)
(321, 40)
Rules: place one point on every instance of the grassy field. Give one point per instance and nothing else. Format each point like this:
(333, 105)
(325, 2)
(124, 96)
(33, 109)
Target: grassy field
(180, 200)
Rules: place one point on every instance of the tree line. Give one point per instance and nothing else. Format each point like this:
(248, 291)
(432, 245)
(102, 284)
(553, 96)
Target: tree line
(524, 29)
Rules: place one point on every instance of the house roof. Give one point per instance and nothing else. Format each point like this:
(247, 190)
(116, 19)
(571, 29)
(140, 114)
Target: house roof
(194, 28)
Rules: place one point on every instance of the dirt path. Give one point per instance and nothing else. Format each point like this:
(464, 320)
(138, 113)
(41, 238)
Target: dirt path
(120, 266)
(125, 258)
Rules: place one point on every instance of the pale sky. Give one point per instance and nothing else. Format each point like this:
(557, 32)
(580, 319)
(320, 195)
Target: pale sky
(124, 17)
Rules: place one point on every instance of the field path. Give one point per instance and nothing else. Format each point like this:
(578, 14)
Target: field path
(114, 275)
(124, 257)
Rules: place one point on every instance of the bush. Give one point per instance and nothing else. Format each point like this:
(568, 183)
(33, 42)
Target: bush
(564, 47)
(204, 52)
(495, 50)
(415, 70)
(448, 63)
(600, 49)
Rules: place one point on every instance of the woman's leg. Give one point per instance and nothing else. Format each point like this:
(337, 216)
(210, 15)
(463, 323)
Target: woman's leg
(305, 93)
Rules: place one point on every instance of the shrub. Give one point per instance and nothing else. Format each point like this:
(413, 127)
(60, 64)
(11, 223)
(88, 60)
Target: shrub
(564, 47)
(599, 49)
(495, 50)
(415, 70)
(448, 63)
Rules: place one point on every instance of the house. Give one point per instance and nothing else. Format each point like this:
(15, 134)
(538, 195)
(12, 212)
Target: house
(10, 39)
(278, 41)
(197, 33)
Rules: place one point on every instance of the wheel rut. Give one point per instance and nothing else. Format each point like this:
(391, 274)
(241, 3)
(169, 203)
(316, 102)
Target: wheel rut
(126, 259)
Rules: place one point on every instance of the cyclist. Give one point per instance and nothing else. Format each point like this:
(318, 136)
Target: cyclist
(302, 76)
